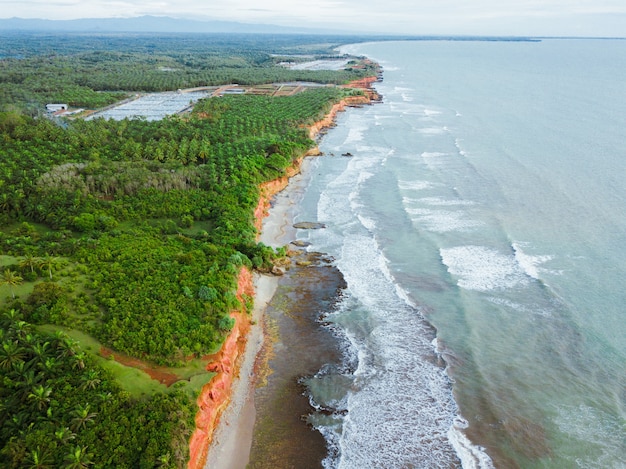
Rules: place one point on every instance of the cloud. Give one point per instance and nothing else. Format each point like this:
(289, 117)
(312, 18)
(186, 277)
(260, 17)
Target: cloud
(390, 16)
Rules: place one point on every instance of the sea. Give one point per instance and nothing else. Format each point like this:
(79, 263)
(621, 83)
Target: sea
(478, 216)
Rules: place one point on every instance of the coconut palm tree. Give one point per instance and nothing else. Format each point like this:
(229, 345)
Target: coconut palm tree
(64, 435)
(78, 360)
(49, 364)
(11, 279)
(48, 263)
(10, 354)
(30, 262)
(65, 346)
(40, 396)
(38, 459)
(78, 458)
(165, 460)
(90, 380)
(81, 417)
(41, 351)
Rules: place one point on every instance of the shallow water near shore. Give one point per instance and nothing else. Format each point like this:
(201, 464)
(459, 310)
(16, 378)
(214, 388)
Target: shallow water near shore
(479, 226)
(296, 347)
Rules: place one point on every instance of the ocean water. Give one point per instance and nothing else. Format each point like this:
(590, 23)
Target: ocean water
(480, 226)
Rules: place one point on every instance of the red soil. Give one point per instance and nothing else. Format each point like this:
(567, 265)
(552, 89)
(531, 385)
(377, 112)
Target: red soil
(215, 395)
(160, 374)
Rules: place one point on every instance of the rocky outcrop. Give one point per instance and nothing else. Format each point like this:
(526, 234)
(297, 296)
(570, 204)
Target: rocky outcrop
(309, 225)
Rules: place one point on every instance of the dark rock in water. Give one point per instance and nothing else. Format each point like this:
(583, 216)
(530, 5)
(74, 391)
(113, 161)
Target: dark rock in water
(309, 225)
(299, 346)
(315, 257)
(347, 154)
(278, 271)
(300, 243)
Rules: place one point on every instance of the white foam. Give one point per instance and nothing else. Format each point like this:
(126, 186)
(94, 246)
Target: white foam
(432, 154)
(472, 456)
(598, 432)
(442, 221)
(438, 201)
(400, 406)
(431, 112)
(415, 185)
(457, 144)
(530, 264)
(539, 311)
(481, 268)
(355, 135)
(399, 414)
(368, 223)
(406, 108)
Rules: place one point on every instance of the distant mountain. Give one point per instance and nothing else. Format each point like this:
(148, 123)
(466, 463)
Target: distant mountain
(150, 24)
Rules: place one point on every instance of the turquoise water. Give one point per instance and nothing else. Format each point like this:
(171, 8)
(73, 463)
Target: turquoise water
(480, 225)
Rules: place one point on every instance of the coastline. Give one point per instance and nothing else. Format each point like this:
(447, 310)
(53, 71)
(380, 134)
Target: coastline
(225, 420)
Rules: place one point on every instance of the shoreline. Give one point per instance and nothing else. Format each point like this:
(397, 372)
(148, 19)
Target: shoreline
(225, 419)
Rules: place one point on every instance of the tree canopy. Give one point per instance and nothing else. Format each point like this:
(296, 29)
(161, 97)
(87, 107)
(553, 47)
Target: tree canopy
(130, 234)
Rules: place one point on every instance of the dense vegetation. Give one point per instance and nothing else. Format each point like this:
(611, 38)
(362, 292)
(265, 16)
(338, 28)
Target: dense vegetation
(92, 71)
(129, 235)
(154, 218)
(60, 410)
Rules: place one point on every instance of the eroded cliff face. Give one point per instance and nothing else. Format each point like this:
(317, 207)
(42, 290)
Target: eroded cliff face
(215, 395)
(369, 95)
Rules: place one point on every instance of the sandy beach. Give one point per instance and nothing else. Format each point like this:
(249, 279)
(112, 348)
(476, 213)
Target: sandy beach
(232, 439)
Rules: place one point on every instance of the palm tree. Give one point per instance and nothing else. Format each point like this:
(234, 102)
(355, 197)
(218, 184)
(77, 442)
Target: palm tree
(90, 380)
(82, 417)
(65, 346)
(41, 351)
(27, 379)
(49, 364)
(164, 460)
(78, 360)
(78, 458)
(41, 396)
(30, 262)
(64, 435)
(11, 316)
(48, 263)
(10, 354)
(20, 329)
(11, 279)
(38, 459)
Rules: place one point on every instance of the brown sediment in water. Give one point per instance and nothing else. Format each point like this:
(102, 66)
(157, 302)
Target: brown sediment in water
(215, 396)
(297, 346)
(501, 426)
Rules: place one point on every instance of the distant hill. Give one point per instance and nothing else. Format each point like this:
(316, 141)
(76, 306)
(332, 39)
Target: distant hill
(150, 24)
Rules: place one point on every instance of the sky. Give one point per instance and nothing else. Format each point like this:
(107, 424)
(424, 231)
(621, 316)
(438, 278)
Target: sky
(599, 18)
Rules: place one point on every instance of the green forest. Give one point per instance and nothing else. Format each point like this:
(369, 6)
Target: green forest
(128, 236)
